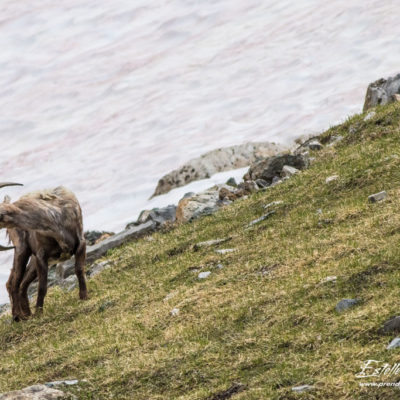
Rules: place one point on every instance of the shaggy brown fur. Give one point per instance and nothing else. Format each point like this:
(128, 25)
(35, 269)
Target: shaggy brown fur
(42, 225)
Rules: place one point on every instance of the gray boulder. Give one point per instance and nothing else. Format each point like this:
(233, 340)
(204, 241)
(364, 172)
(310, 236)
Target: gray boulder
(200, 204)
(93, 237)
(223, 159)
(392, 325)
(382, 91)
(346, 304)
(374, 198)
(36, 392)
(269, 168)
(158, 215)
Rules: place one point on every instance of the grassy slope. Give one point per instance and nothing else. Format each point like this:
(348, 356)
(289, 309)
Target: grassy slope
(267, 331)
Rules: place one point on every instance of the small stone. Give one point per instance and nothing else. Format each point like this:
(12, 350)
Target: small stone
(36, 392)
(272, 204)
(262, 218)
(231, 182)
(97, 267)
(374, 198)
(393, 344)
(275, 180)
(396, 97)
(204, 275)
(262, 183)
(303, 388)
(329, 279)
(335, 139)
(175, 312)
(68, 382)
(288, 171)
(225, 251)
(169, 296)
(210, 243)
(319, 211)
(392, 325)
(315, 145)
(220, 266)
(332, 178)
(369, 116)
(346, 304)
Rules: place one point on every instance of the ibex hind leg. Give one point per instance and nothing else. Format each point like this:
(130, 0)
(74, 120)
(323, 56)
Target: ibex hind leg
(80, 257)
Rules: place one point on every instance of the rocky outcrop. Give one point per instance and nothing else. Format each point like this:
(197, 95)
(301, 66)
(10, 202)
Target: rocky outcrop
(158, 215)
(93, 237)
(382, 91)
(219, 160)
(200, 204)
(272, 167)
(36, 392)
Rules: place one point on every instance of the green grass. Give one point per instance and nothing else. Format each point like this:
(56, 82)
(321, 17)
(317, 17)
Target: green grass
(266, 320)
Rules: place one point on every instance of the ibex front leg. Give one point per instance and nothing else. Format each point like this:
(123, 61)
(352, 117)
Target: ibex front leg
(21, 257)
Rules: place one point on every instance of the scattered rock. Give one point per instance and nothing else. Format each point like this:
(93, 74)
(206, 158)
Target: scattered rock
(271, 167)
(220, 266)
(218, 160)
(97, 267)
(393, 344)
(332, 178)
(4, 308)
(97, 251)
(209, 243)
(346, 304)
(93, 237)
(272, 204)
(392, 325)
(369, 116)
(396, 97)
(381, 92)
(231, 195)
(319, 211)
(329, 279)
(68, 382)
(169, 296)
(303, 388)
(36, 392)
(374, 198)
(248, 187)
(204, 203)
(204, 275)
(158, 215)
(69, 283)
(334, 140)
(288, 171)
(225, 251)
(231, 182)
(261, 183)
(175, 312)
(262, 218)
(315, 145)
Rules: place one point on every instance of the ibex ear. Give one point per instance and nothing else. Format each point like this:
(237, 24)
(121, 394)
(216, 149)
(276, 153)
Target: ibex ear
(7, 199)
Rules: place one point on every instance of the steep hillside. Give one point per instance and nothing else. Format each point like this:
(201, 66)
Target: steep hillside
(264, 320)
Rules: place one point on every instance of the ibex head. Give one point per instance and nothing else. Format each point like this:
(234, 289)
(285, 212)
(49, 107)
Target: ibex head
(6, 201)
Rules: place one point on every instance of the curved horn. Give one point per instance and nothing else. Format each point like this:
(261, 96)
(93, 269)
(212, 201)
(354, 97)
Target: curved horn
(4, 184)
(5, 248)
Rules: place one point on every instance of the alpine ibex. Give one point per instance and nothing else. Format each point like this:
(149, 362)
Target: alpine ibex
(44, 225)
